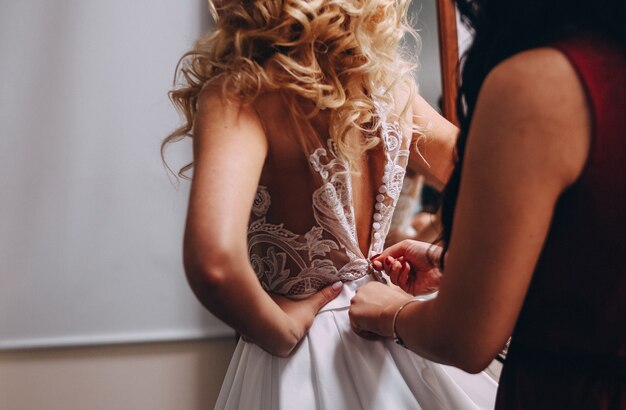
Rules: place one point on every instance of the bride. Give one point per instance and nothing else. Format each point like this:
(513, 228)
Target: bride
(303, 117)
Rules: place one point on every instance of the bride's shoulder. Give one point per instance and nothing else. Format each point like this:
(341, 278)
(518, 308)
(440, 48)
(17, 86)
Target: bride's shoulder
(218, 112)
(271, 104)
(216, 95)
(217, 103)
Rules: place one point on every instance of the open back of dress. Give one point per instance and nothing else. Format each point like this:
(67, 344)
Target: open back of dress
(299, 264)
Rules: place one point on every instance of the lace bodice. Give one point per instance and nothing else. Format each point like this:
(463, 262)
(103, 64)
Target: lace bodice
(298, 265)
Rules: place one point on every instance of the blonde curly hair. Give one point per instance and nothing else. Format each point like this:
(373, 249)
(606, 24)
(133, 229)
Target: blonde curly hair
(342, 55)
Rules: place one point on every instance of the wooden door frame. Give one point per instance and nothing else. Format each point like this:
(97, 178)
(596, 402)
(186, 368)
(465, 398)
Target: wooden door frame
(449, 57)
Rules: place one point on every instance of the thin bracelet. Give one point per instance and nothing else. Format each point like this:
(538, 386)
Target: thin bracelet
(420, 298)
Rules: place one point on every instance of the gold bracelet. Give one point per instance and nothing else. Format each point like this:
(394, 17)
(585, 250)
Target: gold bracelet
(420, 298)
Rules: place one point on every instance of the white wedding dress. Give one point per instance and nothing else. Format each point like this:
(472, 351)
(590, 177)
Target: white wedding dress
(333, 368)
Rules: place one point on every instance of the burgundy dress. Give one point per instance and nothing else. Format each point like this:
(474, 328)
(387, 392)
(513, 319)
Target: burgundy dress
(568, 349)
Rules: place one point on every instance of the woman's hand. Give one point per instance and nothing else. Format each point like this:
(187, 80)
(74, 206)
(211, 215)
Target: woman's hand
(300, 315)
(303, 311)
(373, 307)
(409, 264)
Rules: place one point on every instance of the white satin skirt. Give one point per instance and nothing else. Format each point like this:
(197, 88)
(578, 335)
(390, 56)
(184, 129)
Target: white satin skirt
(333, 368)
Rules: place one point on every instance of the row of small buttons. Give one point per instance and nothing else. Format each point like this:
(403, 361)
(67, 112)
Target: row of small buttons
(380, 198)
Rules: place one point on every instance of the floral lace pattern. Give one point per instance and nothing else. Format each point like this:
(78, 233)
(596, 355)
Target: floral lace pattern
(299, 265)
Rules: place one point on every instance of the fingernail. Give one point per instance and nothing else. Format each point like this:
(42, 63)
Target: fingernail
(388, 261)
(337, 285)
(400, 259)
(375, 256)
(377, 265)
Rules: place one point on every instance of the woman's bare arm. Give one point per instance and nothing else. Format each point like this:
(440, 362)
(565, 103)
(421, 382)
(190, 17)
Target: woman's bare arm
(528, 142)
(230, 147)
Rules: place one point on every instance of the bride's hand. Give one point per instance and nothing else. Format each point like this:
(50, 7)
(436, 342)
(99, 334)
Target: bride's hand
(301, 313)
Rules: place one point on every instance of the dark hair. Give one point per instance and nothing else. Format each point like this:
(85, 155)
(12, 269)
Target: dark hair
(502, 28)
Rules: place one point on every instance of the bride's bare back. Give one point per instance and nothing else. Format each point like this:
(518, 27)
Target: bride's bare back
(316, 219)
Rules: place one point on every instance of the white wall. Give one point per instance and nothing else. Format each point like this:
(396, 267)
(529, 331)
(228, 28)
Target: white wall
(91, 227)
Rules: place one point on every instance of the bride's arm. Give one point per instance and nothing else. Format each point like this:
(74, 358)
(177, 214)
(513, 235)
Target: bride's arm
(435, 145)
(229, 151)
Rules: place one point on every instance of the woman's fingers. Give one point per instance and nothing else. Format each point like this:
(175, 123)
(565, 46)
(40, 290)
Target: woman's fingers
(388, 267)
(419, 254)
(396, 268)
(403, 276)
(395, 250)
(321, 298)
(303, 311)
